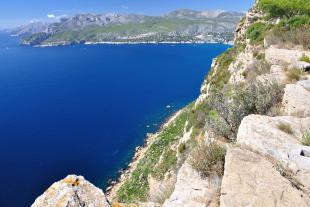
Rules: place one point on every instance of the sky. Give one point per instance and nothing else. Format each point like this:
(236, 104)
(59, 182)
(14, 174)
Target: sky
(17, 12)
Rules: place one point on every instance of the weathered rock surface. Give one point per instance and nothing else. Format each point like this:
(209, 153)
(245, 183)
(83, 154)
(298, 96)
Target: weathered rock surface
(291, 58)
(73, 191)
(276, 74)
(263, 135)
(251, 181)
(193, 191)
(296, 99)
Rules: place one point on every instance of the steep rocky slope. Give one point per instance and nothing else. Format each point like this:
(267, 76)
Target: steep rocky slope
(246, 140)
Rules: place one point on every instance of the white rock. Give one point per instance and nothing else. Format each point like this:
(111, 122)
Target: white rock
(296, 99)
(262, 134)
(191, 190)
(276, 74)
(287, 57)
(73, 191)
(251, 181)
(305, 84)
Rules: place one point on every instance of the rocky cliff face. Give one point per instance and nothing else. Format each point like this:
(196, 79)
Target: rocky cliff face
(255, 103)
(73, 191)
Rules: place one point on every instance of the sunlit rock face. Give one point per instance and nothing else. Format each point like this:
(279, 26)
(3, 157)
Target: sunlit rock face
(73, 191)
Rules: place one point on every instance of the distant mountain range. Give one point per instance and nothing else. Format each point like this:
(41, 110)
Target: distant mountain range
(177, 26)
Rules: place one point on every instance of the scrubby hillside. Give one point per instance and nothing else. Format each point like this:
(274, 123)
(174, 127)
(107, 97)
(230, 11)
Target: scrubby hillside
(246, 140)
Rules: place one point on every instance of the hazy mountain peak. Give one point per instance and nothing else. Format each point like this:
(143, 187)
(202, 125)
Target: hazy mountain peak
(194, 14)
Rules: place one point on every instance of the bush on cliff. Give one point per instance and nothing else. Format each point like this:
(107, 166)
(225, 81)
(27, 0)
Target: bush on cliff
(256, 32)
(285, 8)
(231, 106)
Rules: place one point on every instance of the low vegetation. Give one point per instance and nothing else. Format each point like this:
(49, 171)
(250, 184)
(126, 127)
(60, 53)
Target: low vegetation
(168, 159)
(285, 8)
(291, 32)
(136, 187)
(208, 158)
(182, 148)
(163, 192)
(285, 128)
(256, 32)
(258, 67)
(232, 105)
(305, 59)
(306, 138)
(294, 74)
(221, 76)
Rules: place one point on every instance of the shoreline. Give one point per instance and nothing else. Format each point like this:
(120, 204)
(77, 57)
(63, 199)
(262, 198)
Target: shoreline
(129, 43)
(114, 186)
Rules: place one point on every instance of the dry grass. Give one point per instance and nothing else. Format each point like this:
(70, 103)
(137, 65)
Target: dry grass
(290, 38)
(285, 128)
(306, 138)
(294, 75)
(208, 158)
(163, 192)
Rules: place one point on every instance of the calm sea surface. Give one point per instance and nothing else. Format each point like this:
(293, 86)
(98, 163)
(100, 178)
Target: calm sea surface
(83, 109)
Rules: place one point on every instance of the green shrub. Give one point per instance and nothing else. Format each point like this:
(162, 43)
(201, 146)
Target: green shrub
(182, 148)
(256, 32)
(260, 56)
(305, 59)
(285, 128)
(240, 101)
(288, 8)
(306, 138)
(295, 22)
(208, 158)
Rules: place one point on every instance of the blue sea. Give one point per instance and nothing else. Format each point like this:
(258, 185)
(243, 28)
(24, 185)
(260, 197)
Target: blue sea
(83, 109)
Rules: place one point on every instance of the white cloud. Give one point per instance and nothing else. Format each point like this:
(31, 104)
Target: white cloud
(51, 16)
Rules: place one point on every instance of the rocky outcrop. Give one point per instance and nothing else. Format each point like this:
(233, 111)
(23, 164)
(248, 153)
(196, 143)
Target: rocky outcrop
(265, 135)
(191, 190)
(296, 100)
(251, 180)
(290, 58)
(73, 191)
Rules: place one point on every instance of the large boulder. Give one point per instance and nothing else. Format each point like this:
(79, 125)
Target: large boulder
(73, 191)
(291, 58)
(296, 99)
(252, 181)
(191, 190)
(264, 135)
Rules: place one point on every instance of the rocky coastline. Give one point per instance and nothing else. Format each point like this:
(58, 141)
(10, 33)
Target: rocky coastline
(113, 187)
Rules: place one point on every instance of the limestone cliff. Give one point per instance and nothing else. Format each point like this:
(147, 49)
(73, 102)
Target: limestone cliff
(73, 191)
(245, 140)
